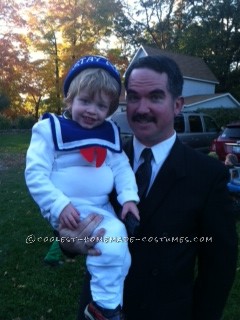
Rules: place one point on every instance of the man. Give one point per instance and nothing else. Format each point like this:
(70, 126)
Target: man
(184, 253)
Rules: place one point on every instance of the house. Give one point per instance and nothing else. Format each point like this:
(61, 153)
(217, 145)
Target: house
(199, 81)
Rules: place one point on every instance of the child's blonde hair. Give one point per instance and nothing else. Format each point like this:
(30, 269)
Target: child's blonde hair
(94, 80)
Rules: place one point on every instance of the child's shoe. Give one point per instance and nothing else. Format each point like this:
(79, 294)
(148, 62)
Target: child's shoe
(94, 312)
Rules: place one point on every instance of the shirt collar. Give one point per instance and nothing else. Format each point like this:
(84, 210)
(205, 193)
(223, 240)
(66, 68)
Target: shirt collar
(160, 151)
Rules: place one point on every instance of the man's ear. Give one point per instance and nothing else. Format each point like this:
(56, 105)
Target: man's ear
(178, 105)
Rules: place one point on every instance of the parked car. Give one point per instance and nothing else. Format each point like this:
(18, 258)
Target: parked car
(194, 129)
(228, 141)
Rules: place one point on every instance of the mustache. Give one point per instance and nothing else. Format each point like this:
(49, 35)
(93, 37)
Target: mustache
(143, 117)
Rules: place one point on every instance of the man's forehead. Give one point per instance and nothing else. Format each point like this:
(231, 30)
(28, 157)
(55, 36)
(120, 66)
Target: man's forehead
(147, 80)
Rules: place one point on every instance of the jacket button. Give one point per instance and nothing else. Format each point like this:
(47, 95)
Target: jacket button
(142, 306)
(155, 272)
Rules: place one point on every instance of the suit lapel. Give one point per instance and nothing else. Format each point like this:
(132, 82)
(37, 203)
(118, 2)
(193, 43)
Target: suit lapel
(172, 169)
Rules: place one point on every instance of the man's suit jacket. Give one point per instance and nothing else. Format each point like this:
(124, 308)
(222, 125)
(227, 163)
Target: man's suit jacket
(186, 218)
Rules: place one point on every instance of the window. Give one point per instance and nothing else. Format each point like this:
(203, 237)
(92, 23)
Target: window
(195, 124)
(179, 125)
(211, 126)
(231, 133)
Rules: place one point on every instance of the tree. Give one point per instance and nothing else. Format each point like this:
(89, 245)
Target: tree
(214, 35)
(148, 21)
(41, 39)
(4, 102)
(64, 30)
(14, 55)
(209, 29)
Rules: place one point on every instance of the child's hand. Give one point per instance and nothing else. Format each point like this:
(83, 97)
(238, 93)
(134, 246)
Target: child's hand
(130, 206)
(69, 217)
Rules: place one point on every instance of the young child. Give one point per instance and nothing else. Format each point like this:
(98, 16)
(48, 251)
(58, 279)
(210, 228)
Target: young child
(74, 162)
(231, 160)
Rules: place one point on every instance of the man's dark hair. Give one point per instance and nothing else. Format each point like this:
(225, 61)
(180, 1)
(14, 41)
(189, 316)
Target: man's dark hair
(161, 64)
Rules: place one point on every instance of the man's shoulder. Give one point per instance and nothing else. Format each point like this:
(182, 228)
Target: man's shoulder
(203, 162)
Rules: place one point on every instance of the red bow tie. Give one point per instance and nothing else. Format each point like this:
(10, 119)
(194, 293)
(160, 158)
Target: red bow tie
(94, 153)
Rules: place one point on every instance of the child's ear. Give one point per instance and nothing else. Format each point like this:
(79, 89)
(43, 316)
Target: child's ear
(69, 107)
(67, 114)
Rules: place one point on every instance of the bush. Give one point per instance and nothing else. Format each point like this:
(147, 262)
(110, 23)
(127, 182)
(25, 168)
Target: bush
(223, 116)
(24, 122)
(5, 123)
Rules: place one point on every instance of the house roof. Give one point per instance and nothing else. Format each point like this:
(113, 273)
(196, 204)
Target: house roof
(191, 67)
(200, 98)
(194, 100)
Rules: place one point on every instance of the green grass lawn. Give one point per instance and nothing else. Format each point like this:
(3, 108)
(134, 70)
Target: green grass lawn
(29, 289)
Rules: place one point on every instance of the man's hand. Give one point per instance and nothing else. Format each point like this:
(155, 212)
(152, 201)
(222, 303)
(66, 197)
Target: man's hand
(75, 241)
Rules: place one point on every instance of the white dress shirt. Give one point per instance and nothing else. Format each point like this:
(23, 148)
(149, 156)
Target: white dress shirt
(160, 152)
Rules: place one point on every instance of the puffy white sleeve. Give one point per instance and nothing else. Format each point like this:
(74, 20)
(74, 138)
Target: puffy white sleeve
(39, 164)
(124, 177)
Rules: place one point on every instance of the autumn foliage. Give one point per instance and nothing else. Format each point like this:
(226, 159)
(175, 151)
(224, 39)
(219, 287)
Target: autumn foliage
(40, 39)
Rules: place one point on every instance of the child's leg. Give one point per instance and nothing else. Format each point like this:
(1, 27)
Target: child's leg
(109, 270)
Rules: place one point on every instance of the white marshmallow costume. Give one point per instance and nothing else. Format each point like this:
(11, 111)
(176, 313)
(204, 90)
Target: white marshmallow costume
(58, 172)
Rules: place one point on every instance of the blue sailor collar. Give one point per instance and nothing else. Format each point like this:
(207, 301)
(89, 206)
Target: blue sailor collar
(69, 135)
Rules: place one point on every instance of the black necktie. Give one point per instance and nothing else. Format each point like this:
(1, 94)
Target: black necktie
(144, 172)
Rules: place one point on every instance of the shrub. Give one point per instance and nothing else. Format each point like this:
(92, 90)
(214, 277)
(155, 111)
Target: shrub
(5, 123)
(223, 116)
(24, 122)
